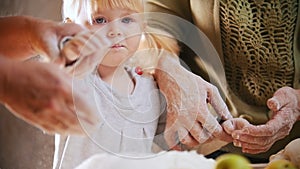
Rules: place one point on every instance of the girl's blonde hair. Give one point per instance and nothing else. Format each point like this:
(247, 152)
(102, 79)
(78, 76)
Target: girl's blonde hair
(72, 8)
(155, 41)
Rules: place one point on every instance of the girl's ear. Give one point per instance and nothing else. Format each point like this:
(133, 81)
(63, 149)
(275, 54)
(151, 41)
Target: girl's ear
(67, 20)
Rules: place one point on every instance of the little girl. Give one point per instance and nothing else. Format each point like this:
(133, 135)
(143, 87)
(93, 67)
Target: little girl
(129, 103)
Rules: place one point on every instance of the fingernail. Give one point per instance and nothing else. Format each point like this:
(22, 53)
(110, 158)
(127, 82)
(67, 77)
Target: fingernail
(273, 104)
(246, 151)
(236, 136)
(237, 143)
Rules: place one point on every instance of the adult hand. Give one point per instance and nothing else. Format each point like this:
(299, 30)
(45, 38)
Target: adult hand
(41, 94)
(47, 35)
(85, 51)
(285, 105)
(23, 37)
(188, 114)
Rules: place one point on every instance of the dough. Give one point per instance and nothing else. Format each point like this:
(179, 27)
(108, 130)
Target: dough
(163, 160)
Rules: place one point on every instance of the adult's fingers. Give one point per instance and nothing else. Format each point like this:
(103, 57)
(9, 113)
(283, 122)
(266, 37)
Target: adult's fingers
(198, 133)
(171, 137)
(186, 138)
(281, 120)
(67, 120)
(60, 117)
(234, 124)
(60, 123)
(85, 43)
(261, 139)
(48, 120)
(69, 29)
(215, 99)
(85, 51)
(52, 43)
(50, 49)
(83, 65)
(246, 139)
(85, 110)
(282, 97)
(254, 145)
(252, 148)
(77, 102)
(255, 151)
(71, 49)
(209, 122)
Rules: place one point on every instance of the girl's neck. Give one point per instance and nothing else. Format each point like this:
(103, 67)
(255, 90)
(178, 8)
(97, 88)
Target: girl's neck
(107, 73)
(117, 77)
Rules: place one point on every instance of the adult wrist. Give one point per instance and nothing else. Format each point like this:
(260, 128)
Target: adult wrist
(166, 64)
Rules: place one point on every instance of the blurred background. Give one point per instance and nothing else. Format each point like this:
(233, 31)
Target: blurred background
(50, 9)
(21, 145)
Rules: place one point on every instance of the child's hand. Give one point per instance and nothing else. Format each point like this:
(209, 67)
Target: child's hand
(84, 52)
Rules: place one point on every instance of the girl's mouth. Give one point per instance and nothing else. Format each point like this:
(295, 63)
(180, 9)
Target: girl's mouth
(117, 46)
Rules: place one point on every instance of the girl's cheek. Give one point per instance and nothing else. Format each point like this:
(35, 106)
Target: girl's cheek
(93, 27)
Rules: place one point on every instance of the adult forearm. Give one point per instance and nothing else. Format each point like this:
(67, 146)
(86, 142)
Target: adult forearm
(167, 67)
(174, 80)
(15, 41)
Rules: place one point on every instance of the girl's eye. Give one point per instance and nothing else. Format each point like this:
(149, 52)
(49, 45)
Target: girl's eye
(100, 20)
(127, 20)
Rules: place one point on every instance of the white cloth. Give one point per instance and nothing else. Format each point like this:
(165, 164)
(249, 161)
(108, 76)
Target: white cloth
(127, 122)
(163, 160)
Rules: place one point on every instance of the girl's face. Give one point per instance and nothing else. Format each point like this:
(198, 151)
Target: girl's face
(123, 28)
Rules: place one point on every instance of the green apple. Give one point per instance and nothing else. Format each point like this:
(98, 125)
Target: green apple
(280, 164)
(232, 161)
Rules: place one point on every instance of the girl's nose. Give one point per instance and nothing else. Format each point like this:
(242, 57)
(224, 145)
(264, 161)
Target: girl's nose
(114, 33)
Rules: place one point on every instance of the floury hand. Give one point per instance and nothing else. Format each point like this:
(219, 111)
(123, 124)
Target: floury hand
(84, 52)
